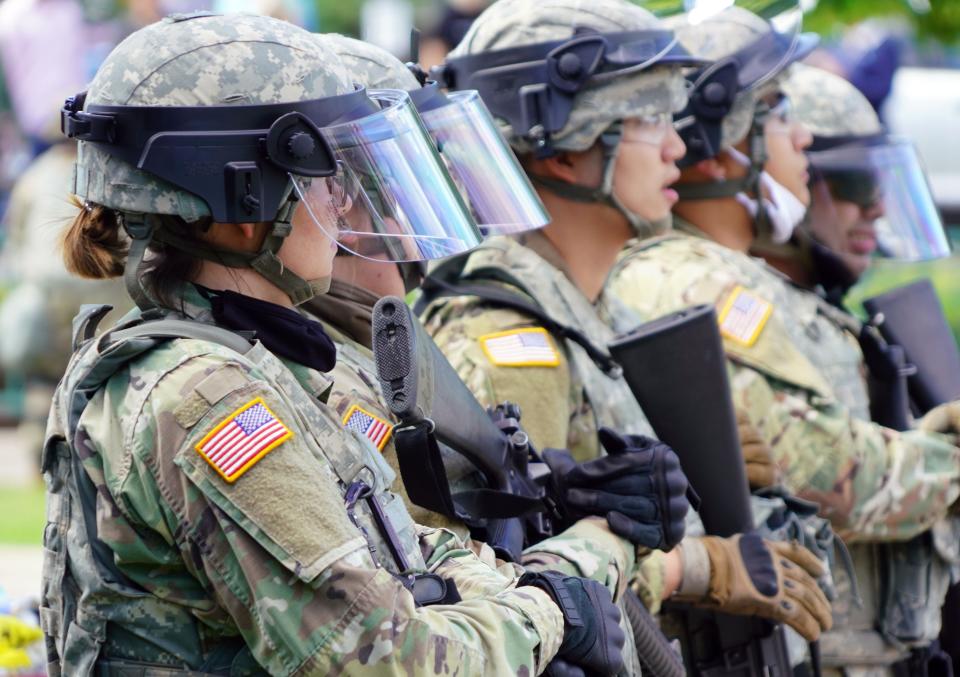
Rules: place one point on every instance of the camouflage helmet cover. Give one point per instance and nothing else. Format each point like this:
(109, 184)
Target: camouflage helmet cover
(722, 36)
(371, 66)
(828, 105)
(198, 60)
(516, 23)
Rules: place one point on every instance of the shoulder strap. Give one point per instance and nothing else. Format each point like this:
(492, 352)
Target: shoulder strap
(168, 328)
(434, 287)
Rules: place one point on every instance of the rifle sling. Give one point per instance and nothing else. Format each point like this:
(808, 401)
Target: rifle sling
(425, 479)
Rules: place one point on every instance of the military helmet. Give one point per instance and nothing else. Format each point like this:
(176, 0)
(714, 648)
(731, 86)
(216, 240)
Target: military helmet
(832, 108)
(558, 73)
(196, 60)
(244, 119)
(372, 66)
(750, 55)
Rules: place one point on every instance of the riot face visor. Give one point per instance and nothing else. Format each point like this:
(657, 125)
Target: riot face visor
(873, 199)
(486, 170)
(390, 197)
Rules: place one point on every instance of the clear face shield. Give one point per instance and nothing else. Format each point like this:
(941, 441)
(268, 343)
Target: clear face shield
(391, 198)
(873, 200)
(498, 192)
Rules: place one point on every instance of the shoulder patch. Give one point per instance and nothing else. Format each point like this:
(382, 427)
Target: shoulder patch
(243, 438)
(372, 427)
(529, 347)
(743, 316)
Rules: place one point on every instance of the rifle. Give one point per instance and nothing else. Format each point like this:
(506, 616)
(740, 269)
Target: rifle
(912, 317)
(440, 419)
(688, 403)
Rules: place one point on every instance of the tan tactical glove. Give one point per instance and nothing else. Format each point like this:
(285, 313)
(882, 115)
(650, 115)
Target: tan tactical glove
(747, 575)
(762, 471)
(944, 418)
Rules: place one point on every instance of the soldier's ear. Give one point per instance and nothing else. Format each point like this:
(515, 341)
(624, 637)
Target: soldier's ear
(563, 166)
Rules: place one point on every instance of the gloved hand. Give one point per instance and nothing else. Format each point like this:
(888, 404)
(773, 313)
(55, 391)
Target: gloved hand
(639, 487)
(762, 470)
(944, 418)
(592, 638)
(752, 576)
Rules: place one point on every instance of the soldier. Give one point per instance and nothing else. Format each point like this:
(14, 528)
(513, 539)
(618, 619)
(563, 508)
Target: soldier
(857, 210)
(797, 379)
(208, 512)
(517, 316)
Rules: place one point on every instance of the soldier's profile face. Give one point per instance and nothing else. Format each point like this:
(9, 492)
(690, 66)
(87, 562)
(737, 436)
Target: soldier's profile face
(786, 139)
(845, 226)
(646, 168)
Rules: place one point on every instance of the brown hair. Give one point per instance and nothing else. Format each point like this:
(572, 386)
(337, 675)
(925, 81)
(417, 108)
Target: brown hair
(95, 246)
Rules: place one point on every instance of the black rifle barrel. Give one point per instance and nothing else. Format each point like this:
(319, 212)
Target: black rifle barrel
(676, 368)
(914, 319)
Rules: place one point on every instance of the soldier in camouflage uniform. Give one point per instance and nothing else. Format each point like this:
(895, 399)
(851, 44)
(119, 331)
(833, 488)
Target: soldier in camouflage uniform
(588, 548)
(207, 512)
(795, 372)
(536, 338)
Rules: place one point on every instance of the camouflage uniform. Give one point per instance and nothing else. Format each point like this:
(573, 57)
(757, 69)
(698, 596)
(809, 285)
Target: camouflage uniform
(875, 484)
(151, 555)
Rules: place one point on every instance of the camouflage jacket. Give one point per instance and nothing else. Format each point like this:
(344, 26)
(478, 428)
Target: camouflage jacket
(587, 549)
(875, 484)
(159, 553)
(563, 401)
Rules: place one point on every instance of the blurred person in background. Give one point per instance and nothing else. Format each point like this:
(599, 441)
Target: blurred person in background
(447, 30)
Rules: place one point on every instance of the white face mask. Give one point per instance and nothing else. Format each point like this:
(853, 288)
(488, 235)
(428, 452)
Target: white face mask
(784, 210)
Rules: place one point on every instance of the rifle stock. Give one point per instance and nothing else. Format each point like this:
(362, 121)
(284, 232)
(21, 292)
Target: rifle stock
(912, 317)
(676, 368)
(418, 383)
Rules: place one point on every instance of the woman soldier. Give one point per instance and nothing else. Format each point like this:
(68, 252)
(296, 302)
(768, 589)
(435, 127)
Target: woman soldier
(208, 514)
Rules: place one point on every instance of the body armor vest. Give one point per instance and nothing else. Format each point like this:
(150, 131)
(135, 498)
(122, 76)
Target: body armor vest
(90, 611)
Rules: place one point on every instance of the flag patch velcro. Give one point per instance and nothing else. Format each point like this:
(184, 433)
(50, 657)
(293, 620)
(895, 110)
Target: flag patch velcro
(529, 347)
(743, 316)
(373, 428)
(243, 438)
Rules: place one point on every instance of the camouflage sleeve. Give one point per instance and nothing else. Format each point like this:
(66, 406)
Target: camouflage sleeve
(273, 555)
(587, 549)
(873, 483)
(543, 392)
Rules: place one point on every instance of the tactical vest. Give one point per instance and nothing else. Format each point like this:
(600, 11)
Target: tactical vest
(503, 260)
(86, 599)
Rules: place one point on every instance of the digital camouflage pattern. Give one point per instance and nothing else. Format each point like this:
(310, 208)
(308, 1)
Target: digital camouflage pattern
(370, 65)
(722, 35)
(515, 23)
(873, 483)
(828, 105)
(195, 60)
(267, 573)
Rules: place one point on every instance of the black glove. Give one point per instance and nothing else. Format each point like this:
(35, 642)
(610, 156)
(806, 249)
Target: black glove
(639, 487)
(592, 637)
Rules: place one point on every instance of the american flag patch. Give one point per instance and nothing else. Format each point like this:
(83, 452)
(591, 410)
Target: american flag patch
(530, 347)
(242, 439)
(374, 429)
(744, 316)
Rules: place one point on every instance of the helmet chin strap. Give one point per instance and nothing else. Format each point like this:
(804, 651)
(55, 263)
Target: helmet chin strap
(142, 228)
(604, 194)
(748, 184)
